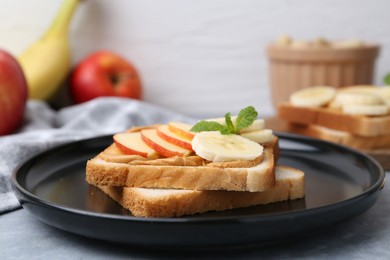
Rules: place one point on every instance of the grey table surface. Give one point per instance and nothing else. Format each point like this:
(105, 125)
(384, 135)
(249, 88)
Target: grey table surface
(366, 236)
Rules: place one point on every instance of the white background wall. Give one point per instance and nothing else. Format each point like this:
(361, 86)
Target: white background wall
(200, 57)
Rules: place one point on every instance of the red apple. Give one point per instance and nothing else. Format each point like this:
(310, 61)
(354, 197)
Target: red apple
(181, 129)
(104, 73)
(166, 134)
(132, 143)
(163, 147)
(13, 93)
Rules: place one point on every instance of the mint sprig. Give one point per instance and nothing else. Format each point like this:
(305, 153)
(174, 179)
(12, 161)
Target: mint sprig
(245, 118)
(386, 79)
(229, 123)
(209, 126)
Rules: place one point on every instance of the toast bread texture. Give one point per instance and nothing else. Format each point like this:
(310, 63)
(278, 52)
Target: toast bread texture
(146, 202)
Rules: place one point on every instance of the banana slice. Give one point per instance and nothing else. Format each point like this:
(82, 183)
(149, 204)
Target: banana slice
(214, 146)
(259, 136)
(360, 89)
(284, 40)
(384, 93)
(258, 124)
(358, 98)
(367, 110)
(350, 44)
(313, 96)
(300, 44)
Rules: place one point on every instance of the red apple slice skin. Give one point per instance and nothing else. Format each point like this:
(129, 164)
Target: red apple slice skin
(181, 129)
(165, 133)
(129, 151)
(134, 144)
(151, 138)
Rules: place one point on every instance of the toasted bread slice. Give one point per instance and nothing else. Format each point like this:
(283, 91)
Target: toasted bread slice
(144, 202)
(341, 137)
(177, 174)
(336, 120)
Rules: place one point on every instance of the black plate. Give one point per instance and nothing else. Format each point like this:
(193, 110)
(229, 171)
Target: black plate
(340, 183)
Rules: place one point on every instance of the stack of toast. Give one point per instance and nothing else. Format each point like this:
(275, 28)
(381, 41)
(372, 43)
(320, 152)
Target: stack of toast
(355, 116)
(171, 171)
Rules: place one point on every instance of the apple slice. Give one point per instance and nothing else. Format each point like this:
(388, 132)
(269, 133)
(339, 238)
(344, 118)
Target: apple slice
(132, 143)
(163, 147)
(181, 129)
(165, 133)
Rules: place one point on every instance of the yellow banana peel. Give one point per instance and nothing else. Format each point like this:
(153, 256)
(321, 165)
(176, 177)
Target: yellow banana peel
(47, 62)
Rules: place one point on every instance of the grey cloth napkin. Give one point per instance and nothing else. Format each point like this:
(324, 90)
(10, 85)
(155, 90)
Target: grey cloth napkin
(45, 128)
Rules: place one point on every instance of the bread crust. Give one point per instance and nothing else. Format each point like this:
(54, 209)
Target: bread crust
(175, 203)
(335, 119)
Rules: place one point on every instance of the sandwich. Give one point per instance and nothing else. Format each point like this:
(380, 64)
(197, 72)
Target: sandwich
(177, 169)
(356, 116)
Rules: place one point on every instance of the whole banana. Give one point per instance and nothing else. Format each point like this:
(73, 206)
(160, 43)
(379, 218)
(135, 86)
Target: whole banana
(47, 62)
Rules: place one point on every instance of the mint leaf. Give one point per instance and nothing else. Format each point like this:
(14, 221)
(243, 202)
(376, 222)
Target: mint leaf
(245, 118)
(386, 80)
(229, 123)
(209, 126)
